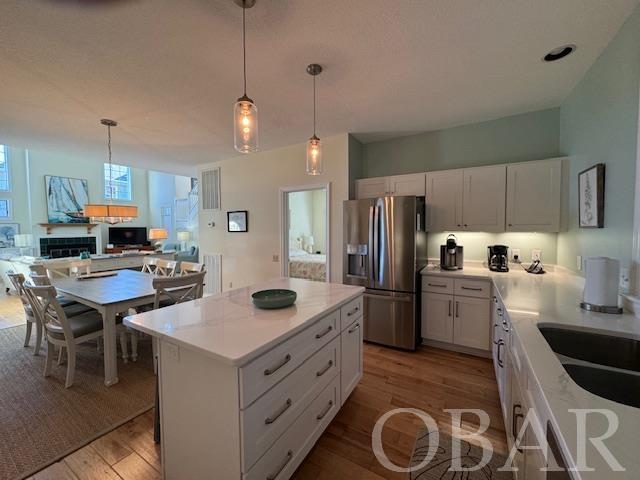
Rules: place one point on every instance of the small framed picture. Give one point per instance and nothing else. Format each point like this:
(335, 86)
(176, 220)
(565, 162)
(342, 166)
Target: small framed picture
(238, 221)
(591, 197)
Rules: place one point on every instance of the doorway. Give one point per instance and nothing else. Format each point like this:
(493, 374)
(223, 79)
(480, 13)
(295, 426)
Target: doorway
(305, 235)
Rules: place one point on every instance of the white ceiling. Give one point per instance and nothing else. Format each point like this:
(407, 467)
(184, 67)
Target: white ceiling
(169, 71)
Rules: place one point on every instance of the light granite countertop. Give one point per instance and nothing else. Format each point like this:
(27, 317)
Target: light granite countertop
(554, 298)
(229, 328)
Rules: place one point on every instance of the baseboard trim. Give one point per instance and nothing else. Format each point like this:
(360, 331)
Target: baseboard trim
(476, 352)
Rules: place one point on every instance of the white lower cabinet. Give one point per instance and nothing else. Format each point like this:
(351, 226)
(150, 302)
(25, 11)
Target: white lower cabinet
(471, 326)
(351, 347)
(456, 319)
(437, 317)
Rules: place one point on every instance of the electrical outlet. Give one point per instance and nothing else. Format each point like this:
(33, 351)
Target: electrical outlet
(579, 262)
(275, 258)
(230, 284)
(536, 254)
(515, 255)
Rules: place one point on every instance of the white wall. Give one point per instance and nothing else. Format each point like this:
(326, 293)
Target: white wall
(319, 206)
(253, 183)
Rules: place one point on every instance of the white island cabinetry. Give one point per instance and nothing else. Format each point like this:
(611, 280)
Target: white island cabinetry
(245, 393)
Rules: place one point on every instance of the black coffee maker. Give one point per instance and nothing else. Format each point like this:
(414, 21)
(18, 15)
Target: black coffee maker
(498, 260)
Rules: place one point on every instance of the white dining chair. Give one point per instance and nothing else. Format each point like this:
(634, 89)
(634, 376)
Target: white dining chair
(190, 267)
(166, 268)
(17, 279)
(149, 265)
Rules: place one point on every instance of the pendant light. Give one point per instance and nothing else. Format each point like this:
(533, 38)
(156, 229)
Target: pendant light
(110, 213)
(245, 112)
(314, 147)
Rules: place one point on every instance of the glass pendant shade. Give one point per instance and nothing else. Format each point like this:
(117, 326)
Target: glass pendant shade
(111, 214)
(245, 132)
(314, 156)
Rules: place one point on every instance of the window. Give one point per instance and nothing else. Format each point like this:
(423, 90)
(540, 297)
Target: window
(5, 185)
(117, 182)
(5, 208)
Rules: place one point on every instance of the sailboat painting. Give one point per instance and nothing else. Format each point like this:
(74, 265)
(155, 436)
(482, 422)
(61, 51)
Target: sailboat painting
(66, 198)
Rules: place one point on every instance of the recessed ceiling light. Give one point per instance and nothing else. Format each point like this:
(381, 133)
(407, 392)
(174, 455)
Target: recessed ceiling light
(559, 52)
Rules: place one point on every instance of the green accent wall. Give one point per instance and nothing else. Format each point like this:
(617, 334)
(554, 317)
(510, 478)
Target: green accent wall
(518, 138)
(599, 124)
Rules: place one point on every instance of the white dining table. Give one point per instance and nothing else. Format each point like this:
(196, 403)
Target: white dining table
(109, 296)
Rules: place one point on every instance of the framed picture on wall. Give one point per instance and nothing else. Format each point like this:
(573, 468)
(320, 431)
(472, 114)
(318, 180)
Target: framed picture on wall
(66, 198)
(238, 221)
(591, 197)
(8, 231)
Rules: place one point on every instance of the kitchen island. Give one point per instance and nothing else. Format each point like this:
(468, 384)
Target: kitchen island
(246, 393)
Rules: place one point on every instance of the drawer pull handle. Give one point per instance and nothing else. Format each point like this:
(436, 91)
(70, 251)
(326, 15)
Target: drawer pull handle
(284, 463)
(498, 353)
(323, 414)
(285, 407)
(272, 370)
(449, 307)
(320, 335)
(325, 369)
(457, 309)
(354, 311)
(439, 285)
(473, 289)
(354, 328)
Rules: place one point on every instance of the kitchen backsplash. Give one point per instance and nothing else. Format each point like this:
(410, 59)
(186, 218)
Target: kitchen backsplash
(475, 244)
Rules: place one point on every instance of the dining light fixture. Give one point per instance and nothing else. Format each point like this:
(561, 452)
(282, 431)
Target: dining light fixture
(314, 147)
(110, 213)
(245, 112)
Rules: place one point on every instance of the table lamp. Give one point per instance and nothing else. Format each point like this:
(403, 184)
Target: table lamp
(183, 238)
(24, 241)
(158, 234)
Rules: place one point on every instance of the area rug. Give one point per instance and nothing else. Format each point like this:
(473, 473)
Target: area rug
(470, 456)
(41, 421)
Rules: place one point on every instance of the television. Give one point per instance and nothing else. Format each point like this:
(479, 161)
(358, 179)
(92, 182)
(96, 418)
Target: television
(122, 236)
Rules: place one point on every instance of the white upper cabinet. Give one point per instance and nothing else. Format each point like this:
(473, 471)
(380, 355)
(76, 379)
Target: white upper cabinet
(444, 200)
(483, 199)
(534, 196)
(412, 184)
(399, 185)
(372, 187)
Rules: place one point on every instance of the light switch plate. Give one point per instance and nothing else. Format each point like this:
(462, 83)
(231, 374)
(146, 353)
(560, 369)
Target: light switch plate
(536, 254)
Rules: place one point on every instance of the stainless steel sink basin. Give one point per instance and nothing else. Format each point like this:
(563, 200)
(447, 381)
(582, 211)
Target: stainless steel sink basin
(609, 350)
(605, 365)
(613, 385)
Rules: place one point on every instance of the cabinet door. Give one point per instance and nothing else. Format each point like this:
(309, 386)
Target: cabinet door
(351, 358)
(534, 196)
(471, 325)
(372, 187)
(444, 200)
(437, 317)
(413, 184)
(483, 199)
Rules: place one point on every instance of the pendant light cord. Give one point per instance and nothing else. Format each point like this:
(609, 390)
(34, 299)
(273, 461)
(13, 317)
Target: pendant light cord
(110, 167)
(314, 105)
(244, 51)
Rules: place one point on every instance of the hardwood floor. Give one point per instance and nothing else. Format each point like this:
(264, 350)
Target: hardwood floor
(11, 311)
(430, 380)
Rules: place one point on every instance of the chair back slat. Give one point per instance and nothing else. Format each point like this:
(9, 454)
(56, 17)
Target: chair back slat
(149, 265)
(44, 302)
(176, 290)
(38, 269)
(17, 280)
(190, 267)
(40, 280)
(165, 268)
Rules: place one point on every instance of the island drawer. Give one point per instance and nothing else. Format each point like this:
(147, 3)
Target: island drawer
(350, 311)
(472, 288)
(282, 459)
(267, 418)
(265, 371)
(437, 284)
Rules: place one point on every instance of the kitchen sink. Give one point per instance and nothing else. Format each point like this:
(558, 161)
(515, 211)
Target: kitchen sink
(602, 349)
(605, 365)
(611, 384)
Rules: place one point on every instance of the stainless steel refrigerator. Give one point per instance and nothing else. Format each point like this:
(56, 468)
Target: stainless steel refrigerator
(385, 247)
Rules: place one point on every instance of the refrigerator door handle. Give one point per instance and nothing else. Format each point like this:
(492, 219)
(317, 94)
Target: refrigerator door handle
(371, 253)
(376, 244)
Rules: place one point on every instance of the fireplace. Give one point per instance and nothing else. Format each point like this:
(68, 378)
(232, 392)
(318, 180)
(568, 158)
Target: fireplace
(60, 247)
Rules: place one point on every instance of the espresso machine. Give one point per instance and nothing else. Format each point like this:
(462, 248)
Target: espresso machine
(498, 260)
(451, 254)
